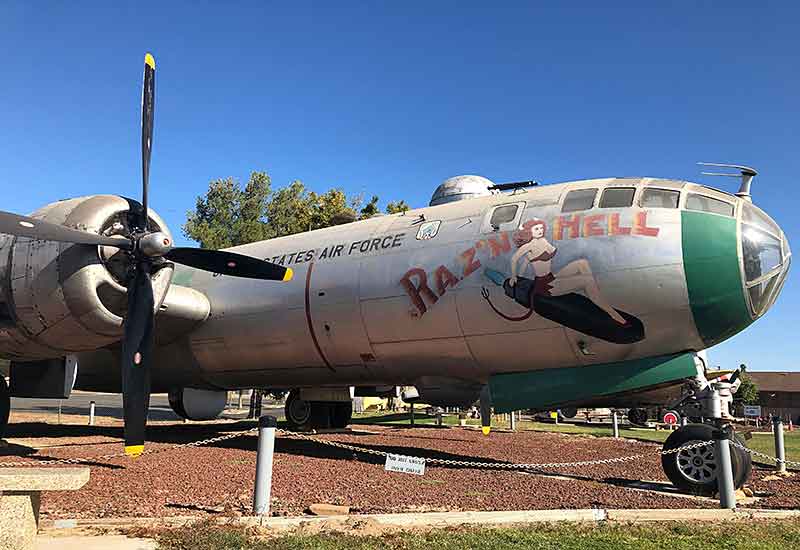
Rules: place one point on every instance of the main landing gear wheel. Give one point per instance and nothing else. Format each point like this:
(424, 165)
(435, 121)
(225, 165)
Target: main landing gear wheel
(694, 470)
(638, 416)
(5, 406)
(297, 411)
(317, 414)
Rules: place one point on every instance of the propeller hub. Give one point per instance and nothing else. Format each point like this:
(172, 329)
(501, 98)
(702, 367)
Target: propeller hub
(155, 245)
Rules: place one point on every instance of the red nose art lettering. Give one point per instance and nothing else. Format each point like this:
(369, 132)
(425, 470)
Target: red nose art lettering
(444, 278)
(416, 292)
(614, 228)
(470, 263)
(503, 246)
(571, 223)
(640, 226)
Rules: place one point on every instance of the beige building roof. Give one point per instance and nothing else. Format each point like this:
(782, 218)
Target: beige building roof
(776, 381)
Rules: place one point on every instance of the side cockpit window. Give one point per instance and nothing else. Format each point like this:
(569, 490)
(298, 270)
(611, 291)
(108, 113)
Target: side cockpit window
(659, 198)
(579, 199)
(503, 214)
(702, 203)
(617, 197)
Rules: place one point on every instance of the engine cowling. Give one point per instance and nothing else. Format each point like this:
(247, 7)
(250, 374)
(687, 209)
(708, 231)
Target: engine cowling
(58, 298)
(197, 404)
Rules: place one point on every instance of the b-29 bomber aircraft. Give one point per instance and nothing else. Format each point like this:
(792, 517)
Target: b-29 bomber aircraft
(527, 296)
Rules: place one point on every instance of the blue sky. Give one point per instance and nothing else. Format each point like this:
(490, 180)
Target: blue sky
(392, 98)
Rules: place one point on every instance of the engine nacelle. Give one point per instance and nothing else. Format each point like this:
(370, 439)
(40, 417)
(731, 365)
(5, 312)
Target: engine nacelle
(195, 404)
(57, 298)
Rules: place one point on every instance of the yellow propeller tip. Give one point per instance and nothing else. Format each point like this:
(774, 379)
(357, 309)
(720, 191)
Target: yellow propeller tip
(134, 451)
(288, 275)
(486, 429)
(148, 60)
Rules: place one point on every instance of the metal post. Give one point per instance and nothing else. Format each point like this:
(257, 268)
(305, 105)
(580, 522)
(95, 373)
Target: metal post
(412, 414)
(91, 413)
(513, 421)
(615, 423)
(439, 417)
(722, 453)
(266, 449)
(59, 411)
(780, 452)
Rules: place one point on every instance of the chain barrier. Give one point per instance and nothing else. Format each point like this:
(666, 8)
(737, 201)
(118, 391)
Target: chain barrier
(493, 465)
(112, 456)
(374, 452)
(792, 463)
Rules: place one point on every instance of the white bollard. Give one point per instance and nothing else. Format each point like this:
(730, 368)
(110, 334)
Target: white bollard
(91, 413)
(513, 421)
(722, 453)
(266, 450)
(615, 420)
(780, 451)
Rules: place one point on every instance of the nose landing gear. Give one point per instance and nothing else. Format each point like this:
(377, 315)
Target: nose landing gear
(695, 470)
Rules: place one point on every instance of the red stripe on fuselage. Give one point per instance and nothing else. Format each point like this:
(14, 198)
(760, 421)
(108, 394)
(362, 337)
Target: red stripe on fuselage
(308, 318)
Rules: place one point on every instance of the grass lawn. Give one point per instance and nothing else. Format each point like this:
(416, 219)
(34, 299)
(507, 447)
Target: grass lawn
(762, 442)
(675, 536)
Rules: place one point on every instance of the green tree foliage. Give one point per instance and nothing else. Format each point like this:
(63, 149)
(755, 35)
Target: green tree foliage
(228, 215)
(747, 394)
(397, 207)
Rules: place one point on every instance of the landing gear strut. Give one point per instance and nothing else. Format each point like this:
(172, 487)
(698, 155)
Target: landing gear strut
(317, 414)
(5, 406)
(695, 470)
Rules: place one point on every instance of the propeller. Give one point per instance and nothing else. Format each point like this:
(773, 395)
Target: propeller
(148, 251)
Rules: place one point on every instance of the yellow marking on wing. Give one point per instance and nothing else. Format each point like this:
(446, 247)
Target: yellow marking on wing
(148, 60)
(288, 275)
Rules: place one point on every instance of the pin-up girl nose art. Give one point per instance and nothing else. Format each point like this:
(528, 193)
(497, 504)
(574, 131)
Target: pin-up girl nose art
(555, 295)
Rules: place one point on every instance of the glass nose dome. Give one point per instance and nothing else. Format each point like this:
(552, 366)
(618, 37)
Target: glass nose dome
(766, 257)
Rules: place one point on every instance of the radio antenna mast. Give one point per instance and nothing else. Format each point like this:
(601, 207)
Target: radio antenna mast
(745, 172)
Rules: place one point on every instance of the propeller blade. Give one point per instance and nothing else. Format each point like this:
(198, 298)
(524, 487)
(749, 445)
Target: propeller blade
(23, 226)
(137, 349)
(486, 410)
(229, 263)
(148, 107)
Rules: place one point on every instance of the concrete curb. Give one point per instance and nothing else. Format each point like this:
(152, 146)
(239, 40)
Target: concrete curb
(433, 520)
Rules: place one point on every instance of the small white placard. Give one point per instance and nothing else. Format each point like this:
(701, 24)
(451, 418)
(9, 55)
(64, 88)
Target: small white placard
(752, 410)
(405, 464)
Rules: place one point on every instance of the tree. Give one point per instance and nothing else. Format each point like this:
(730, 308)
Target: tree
(747, 394)
(397, 207)
(228, 215)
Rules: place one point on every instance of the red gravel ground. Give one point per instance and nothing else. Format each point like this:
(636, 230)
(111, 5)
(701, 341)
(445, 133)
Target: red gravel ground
(219, 478)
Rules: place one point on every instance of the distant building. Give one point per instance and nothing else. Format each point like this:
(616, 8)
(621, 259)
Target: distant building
(778, 393)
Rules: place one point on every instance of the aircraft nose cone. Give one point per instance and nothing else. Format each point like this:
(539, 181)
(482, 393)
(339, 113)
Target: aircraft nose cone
(734, 269)
(766, 257)
(713, 273)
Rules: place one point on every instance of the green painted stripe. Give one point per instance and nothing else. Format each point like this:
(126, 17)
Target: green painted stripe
(549, 388)
(713, 279)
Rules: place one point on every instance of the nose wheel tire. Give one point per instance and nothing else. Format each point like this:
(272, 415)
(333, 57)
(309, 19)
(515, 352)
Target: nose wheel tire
(695, 470)
(5, 406)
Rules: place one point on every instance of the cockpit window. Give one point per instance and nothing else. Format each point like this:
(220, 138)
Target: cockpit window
(660, 198)
(703, 203)
(580, 199)
(617, 197)
(503, 214)
(763, 253)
